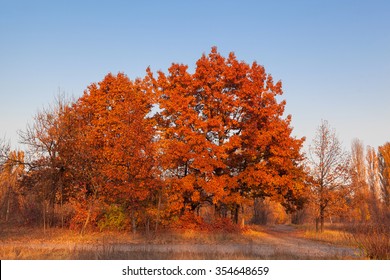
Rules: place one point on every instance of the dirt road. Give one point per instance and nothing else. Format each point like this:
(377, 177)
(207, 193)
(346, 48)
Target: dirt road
(282, 239)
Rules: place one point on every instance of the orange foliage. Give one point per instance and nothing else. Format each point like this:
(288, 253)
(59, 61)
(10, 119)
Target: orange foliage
(223, 136)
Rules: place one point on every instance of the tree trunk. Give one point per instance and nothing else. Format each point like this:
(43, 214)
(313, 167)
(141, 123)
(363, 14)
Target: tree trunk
(217, 211)
(50, 208)
(224, 211)
(322, 219)
(242, 217)
(86, 221)
(235, 213)
(8, 204)
(158, 212)
(62, 205)
(133, 222)
(88, 217)
(147, 226)
(44, 216)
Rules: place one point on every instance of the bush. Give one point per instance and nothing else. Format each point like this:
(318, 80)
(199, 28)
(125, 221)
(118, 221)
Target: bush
(114, 219)
(373, 238)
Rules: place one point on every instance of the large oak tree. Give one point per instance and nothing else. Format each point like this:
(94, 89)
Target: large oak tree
(224, 137)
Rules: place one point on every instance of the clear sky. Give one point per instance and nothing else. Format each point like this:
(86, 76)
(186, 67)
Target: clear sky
(333, 57)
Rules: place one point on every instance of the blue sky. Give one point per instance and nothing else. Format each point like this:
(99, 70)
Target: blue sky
(333, 57)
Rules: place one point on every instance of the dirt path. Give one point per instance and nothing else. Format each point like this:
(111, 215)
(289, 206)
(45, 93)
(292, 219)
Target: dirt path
(283, 239)
(275, 242)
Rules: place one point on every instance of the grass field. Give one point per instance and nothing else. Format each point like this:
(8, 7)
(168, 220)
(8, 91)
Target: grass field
(273, 242)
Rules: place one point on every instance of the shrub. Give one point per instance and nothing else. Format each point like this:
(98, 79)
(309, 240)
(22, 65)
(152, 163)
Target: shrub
(114, 218)
(373, 238)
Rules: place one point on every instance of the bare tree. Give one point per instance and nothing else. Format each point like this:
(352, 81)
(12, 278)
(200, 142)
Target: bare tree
(4, 150)
(329, 170)
(384, 172)
(43, 138)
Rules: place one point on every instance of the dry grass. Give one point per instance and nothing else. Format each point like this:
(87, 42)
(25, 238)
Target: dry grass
(63, 244)
(372, 239)
(30, 235)
(195, 237)
(17, 234)
(254, 234)
(110, 253)
(20, 253)
(332, 234)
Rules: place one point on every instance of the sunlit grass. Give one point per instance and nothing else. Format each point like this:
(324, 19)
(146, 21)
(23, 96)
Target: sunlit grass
(332, 234)
(253, 243)
(110, 253)
(255, 232)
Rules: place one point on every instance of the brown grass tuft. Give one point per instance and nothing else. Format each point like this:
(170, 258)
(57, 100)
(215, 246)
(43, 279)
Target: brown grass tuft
(373, 239)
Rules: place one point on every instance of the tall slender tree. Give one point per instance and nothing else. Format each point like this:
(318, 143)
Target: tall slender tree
(384, 172)
(359, 184)
(373, 172)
